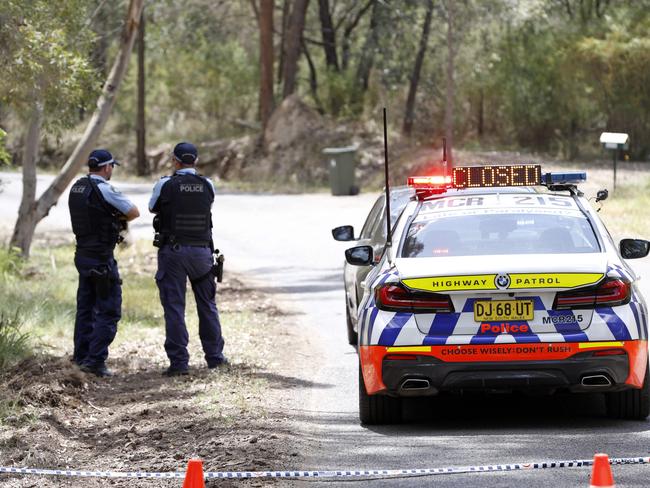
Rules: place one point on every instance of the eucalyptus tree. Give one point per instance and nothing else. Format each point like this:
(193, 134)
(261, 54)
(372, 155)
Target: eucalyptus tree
(45, 80)
(265, 20)
(292, 46)
(409, 111)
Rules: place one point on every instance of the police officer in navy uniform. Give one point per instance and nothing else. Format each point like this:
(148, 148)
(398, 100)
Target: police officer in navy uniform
(182, 204)
(98, 212)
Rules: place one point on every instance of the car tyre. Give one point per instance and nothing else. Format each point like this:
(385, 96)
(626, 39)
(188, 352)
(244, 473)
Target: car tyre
(378, 409)
(353, 337)
(630, 404)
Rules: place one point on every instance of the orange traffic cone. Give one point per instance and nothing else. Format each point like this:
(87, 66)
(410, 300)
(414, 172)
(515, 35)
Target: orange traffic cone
(601, 472)
(194, 474)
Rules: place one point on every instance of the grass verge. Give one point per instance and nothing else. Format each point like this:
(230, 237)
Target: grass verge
(54, 415)
(37, 310)
(626, 213)
(14, 343)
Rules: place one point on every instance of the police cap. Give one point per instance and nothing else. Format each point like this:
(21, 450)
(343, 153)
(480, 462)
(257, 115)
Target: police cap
(186, 153)
(99, 158)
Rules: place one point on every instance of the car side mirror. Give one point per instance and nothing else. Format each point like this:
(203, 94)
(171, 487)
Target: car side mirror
(343, 233)
(360, 255)
(634, 248)
(602, 195)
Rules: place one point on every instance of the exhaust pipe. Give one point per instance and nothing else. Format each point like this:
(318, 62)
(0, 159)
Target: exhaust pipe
(596, 380)
(416, 384)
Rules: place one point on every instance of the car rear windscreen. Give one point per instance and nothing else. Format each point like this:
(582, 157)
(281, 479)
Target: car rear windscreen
(499, 231)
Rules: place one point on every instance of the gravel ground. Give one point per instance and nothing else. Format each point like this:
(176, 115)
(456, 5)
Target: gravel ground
(231, 418)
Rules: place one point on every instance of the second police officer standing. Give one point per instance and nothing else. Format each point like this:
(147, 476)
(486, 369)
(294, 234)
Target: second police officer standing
(97, 211)
(183, 207)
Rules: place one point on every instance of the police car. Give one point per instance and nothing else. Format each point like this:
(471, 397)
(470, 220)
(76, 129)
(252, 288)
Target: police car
(501, 278)
(373, 233)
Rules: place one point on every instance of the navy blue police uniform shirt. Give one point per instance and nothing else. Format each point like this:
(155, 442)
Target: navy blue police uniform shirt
(158, 187)
(112, 196)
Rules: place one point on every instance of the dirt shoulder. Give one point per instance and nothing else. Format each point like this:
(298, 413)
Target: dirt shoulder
(234, 418)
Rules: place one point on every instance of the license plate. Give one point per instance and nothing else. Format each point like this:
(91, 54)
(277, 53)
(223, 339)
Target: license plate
(494, 310)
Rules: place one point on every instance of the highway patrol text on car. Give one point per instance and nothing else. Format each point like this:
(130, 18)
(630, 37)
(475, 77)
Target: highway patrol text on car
(501, 278)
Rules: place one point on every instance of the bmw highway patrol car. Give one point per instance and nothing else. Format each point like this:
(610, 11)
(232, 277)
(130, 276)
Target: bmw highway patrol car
(501, 278)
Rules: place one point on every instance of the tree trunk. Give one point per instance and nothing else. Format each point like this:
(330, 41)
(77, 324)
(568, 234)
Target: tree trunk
(266, 61)
(370, 46)
(283, 38)
(480, 123)
(574, 148)
(313, 79)
(100, 47)
(409, 113)
(256, 11)
(293, 45)
(328, 34)
(449, 108)
(78, 157)
(347, 34)
(22, 237)
(141, 130)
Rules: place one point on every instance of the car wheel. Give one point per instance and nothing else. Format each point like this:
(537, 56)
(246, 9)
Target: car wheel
(630, 404)
(353, 337)
(378, 409)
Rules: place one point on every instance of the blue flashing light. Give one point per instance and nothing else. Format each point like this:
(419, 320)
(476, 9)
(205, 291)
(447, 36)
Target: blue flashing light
(568, 178)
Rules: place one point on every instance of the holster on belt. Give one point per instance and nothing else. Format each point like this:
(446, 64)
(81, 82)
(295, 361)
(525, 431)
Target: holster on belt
(102, 281)
(217, 267)
(216, 270)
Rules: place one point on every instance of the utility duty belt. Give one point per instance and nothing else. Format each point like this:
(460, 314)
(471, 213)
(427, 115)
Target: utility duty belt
(101, 256)
(159, 240)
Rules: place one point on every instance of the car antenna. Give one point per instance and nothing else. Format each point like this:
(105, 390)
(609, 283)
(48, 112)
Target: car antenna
(389, 236)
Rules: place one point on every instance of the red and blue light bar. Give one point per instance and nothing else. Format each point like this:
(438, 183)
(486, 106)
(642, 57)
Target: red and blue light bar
(493, 176)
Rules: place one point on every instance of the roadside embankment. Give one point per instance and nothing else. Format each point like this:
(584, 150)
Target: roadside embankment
(54, 416)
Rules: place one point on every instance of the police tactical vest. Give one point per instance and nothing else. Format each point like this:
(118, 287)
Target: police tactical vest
(95, 223)
(185, 210)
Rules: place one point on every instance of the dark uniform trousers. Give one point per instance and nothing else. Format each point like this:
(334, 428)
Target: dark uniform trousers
(98, 310)
(175, 265)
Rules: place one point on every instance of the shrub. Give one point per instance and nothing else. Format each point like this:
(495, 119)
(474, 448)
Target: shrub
(5, 157)
(14, 344)
(10, 263)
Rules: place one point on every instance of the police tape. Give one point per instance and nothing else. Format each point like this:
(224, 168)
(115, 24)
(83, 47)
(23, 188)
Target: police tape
(489, 468)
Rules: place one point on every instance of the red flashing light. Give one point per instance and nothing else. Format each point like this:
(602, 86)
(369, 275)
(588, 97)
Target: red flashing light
(429, 181)
(429, 184)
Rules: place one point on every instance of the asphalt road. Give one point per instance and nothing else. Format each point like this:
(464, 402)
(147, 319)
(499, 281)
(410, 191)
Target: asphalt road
(283, 243)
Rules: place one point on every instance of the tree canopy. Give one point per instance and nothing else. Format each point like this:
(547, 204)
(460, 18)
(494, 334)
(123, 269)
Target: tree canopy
(44, 53)
(545, 75)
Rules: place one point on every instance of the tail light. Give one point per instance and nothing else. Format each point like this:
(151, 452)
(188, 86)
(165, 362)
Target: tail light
(398, 299)
(610, 293)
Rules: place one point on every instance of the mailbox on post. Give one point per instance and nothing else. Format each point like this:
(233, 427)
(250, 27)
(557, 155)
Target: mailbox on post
(615, 141)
